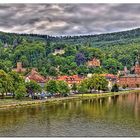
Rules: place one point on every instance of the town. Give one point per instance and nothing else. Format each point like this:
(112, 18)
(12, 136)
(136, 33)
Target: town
(123, 80)
(69, 69)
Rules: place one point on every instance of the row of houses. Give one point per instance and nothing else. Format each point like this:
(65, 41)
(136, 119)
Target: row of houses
(34, 75)
(125, 78)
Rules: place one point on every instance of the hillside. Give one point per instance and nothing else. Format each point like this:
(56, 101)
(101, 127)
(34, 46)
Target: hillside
(115, 50)
(100, 40)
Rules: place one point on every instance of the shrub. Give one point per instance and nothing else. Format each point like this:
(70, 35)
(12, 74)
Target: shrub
(124, 86)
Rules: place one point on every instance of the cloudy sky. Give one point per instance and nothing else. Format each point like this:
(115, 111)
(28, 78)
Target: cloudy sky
(68, 19)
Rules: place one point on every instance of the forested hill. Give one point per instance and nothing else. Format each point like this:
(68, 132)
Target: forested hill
(115, 50)
(100, 40)
(103, 40)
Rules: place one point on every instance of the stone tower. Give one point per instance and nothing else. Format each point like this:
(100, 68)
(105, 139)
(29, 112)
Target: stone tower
(137, 65)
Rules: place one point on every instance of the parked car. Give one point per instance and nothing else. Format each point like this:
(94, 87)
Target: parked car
(48, 95)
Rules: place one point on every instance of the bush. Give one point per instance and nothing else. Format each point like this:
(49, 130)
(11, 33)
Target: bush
(19, 96)
(124, 86)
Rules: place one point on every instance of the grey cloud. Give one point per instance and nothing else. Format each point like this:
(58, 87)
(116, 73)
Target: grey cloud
(127, 8)
(68, 19)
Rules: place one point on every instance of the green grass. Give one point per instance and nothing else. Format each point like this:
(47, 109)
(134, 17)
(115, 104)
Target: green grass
(105, 94)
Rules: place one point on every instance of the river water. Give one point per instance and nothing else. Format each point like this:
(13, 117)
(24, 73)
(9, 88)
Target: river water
(110, 116)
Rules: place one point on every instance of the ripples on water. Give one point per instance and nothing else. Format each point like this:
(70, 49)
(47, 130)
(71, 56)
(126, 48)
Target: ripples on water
(111, 116)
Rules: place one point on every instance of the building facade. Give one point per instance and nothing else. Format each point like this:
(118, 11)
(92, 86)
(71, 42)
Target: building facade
(71, 79)
(130, 80)
(93, 63)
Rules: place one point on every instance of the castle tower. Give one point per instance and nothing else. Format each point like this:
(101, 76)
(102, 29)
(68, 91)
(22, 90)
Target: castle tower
(125, 70)
(137, 67)
(19, 66)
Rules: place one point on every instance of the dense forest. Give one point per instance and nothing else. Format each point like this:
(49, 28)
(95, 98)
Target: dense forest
(115, 50)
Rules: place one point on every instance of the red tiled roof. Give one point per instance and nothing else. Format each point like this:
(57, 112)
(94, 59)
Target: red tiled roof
(70, 79)
(34, 75)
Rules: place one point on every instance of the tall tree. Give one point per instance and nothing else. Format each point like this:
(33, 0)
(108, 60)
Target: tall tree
(6, 83)
(17, 81)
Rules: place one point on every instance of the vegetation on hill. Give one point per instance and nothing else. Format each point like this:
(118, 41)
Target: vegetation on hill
(115, 50)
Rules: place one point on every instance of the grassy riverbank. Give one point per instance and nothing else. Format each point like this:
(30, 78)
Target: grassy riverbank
(12, 103)
(109, 94)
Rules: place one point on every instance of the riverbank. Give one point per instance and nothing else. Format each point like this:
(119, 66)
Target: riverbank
(109, 94)
(12, 103)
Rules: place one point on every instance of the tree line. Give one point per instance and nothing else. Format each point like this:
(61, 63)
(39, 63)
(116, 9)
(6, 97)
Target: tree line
(15, 84)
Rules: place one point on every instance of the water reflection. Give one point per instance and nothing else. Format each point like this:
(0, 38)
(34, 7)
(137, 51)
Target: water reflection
(110, 116)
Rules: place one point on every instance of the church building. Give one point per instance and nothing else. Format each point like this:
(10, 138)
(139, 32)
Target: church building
(131, 78)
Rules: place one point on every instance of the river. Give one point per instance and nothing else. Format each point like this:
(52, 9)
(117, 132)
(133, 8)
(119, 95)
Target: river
(110, 116)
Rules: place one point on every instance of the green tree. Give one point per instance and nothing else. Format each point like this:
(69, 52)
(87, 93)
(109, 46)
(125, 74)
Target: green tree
(17, 80)
(100, 82)
(70, 51)
(97, 70)
(20, 92)
(53, 71)
(97, 82)
(24, 61)
(112, 65)
(82, 70)
(91, 52)
(33, 87)
(5, 65)
(51, 86)
(6, 83)
(63, 88)
(83, 86)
